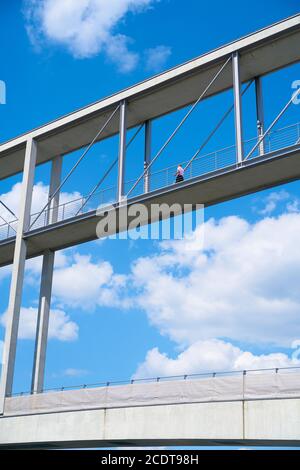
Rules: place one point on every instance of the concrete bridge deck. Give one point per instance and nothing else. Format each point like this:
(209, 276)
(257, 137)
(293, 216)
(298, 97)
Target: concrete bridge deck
(248, 409)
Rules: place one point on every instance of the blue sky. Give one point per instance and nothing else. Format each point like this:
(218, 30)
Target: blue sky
(125, 308)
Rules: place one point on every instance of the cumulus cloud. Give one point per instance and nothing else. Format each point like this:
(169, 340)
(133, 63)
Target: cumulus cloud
(293, 205)
(85, 27)
(39, 198)
(272, 201)
(243, 285)
(232, 281)
(71, 372)
(210, 355)
(85, 283)
(60, 325)
(157, 57)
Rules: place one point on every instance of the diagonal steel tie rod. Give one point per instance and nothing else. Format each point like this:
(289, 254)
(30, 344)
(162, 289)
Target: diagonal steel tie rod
(215, 129)
(294, 96)
(8, 223)
(108, 171)
(180, 125)
(8, 209)
(76, 164)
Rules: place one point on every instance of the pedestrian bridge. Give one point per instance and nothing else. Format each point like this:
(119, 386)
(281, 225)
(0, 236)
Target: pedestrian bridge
(210, 179)
(276, 141)
(237, 408)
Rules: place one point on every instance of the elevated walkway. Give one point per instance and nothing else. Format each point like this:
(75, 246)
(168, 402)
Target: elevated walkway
(211, 179)
(253, 408)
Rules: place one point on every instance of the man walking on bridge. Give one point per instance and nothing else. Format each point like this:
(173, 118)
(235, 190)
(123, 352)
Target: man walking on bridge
(179, 174)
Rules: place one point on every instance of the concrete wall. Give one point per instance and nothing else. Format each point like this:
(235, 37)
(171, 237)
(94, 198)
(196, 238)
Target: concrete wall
(274, 422)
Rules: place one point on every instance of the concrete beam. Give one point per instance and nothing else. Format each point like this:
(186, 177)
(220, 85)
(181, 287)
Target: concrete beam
(260, 422)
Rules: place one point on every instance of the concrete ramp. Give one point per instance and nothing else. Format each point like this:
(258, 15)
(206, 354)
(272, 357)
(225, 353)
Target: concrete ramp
(252, 409)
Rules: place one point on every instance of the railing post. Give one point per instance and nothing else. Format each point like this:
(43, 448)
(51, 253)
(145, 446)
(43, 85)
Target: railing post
(244, 380)
(260, 113)
(147, 158)
(15, 296)
(122, 151)
(238, 108)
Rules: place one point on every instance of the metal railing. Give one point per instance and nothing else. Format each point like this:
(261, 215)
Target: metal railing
(199, 376)
(200, 166)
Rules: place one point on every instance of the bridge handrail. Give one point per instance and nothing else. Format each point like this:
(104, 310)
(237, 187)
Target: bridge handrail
(210, 374)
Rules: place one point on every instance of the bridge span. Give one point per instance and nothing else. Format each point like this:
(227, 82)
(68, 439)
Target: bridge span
(253, 408)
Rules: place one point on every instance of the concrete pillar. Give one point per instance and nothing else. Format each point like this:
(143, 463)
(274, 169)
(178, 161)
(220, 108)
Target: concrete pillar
(238, 107)
(147, 157)
(55, 181)
(37, 383)
(15, 297)
(39, 362)
(260, 113)
(122, 151)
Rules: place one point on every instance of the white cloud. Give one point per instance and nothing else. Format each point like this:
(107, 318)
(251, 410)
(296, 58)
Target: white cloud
(71, 372)
(60, 325)
(85, 27)
(210, 355)
(33, 267)
(272, 201)
(117, 51)
(79, 284)
(242, 286)
(157, 57)
(293, 206)
(39, 198)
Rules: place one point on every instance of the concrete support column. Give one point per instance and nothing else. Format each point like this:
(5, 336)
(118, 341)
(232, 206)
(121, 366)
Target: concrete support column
(15, 297)
(122, 151)
(55, 181)
(147, 157)
(260, 113)
(238, 107)
(38, 373)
